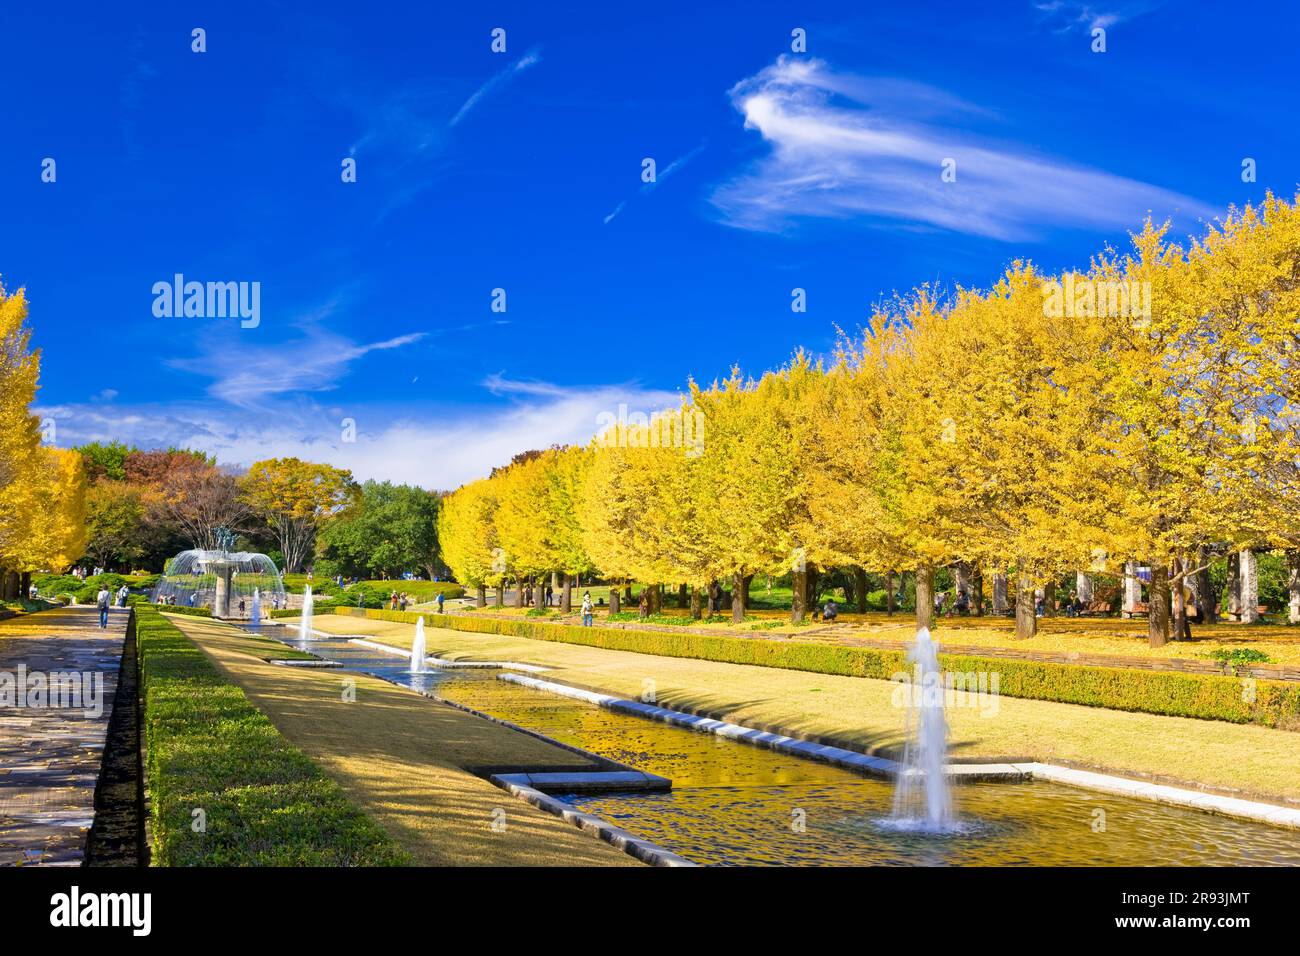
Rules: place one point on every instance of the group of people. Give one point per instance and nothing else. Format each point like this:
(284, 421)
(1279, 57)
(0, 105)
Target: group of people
(398, 601)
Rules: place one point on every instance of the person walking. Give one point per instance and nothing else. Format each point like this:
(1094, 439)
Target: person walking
(586, 609)
(122, 594)
(441, 597)
(830, 611)
(102, 599)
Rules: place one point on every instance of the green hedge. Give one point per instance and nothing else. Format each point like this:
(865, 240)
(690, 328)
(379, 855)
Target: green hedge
(209, 748)
(1203, 696)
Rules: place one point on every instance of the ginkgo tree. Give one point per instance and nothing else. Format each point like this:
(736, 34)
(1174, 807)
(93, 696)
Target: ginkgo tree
(42, 489)
(1144, 409)
(296, 498)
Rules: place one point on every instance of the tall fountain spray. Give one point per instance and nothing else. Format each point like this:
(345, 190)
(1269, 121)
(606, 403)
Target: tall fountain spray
(417, 648)
(922, 799)
(304, 626)
(257, 607)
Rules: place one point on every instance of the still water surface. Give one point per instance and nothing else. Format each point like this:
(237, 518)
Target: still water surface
(733, 803)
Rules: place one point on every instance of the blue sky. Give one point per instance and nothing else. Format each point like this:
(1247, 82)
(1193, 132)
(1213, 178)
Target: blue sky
(522, 170)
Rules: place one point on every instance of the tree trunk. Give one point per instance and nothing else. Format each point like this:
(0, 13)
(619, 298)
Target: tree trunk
(1132, 589)
(1209, 601)
(999, 594)
(1233, 584)
(613, 600)
(480, 596)
(1158, 613)
(500, 598)
(683, 596)
(798, 596)
(977, 591)
(890, 596)
(744, 591)
(1249, 587)
(860, 588)
(627, 593)
(696, 611)
(1293, 587)
(566, 594)
(1182, 629)
(813, 584)
(737, 598)
(1026, 619)
(1049, 599)
(924, 597)
(519, 592)
(25, 584)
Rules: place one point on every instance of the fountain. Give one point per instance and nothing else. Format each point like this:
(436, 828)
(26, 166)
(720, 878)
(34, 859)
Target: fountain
(256, 617)
(417, 648)
(304, 626)
(220, 579)
(922, 800)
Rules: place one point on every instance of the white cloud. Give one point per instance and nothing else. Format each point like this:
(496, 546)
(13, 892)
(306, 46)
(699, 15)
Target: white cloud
(660, 176)
(246, 373)
(436, 446)
(532, 58)
(851, 147)
(1066, 15)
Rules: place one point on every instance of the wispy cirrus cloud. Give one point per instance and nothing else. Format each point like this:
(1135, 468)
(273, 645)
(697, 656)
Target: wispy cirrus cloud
(849, 147)
(1066, 15)
(660, 175)
(411, 128)
(246, 371)
(496, 82)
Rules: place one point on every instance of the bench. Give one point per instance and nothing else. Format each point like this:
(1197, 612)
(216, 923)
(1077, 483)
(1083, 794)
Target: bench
(1095, 609)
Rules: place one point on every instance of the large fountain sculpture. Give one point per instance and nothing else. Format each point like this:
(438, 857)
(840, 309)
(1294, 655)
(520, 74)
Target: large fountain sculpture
(234, 584)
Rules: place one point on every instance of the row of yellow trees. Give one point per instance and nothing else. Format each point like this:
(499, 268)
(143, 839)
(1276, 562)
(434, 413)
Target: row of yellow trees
(1145, 409)
(42, 489)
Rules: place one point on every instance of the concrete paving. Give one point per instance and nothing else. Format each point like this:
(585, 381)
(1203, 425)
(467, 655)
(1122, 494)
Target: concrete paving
(52, 744)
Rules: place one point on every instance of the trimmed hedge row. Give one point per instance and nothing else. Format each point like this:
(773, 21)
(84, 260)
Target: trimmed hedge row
(262, 801)
(1169, 693)
(181, 609)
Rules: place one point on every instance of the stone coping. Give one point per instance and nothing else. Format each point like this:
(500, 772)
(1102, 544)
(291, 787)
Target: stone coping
(444, 664)
(629, 843)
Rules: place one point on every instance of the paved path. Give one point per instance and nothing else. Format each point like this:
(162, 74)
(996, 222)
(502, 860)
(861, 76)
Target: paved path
(50, 756)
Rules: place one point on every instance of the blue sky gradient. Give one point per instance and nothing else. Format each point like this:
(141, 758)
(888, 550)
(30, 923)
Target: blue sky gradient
(522, 170)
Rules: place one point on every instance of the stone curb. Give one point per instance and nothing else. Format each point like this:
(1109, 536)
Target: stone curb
(448, 665)
(629, 843)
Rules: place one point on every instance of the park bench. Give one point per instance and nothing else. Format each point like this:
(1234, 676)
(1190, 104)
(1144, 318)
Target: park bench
(1095, 609)
(1236, 615)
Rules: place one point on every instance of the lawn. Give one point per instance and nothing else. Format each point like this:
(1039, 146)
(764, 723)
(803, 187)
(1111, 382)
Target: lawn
(1057, 635)
(406, 760)
(862, 713)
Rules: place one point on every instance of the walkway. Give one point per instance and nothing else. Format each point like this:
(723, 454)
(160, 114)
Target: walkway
(50, 755)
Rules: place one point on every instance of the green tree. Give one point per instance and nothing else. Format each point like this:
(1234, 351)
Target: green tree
(390, 530)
